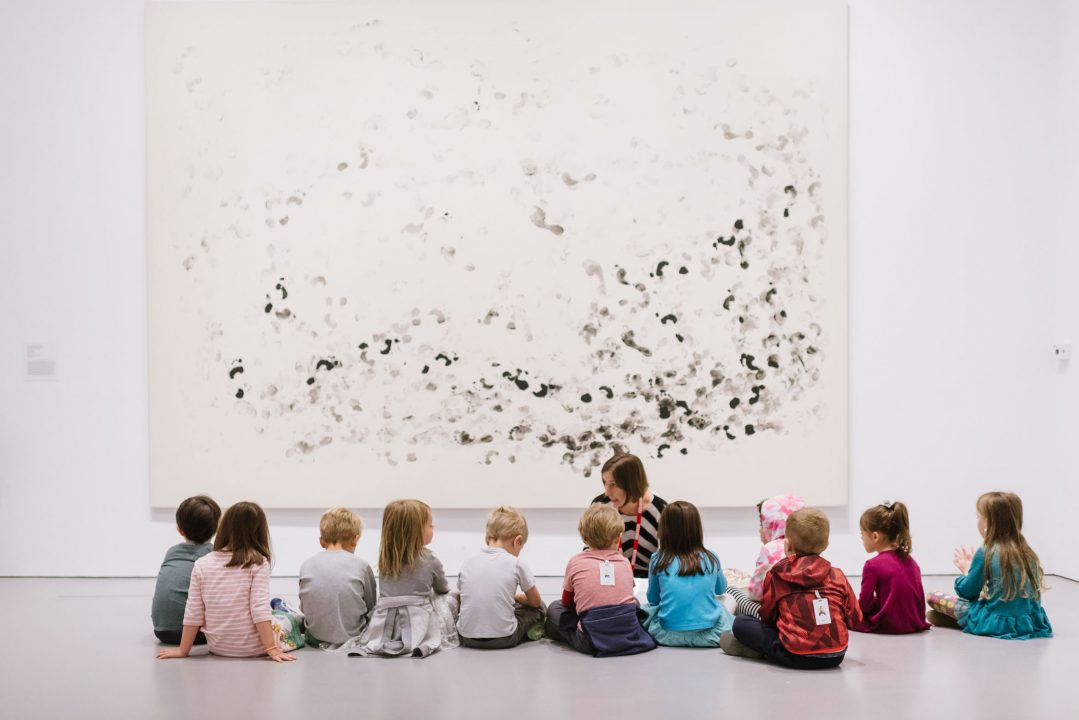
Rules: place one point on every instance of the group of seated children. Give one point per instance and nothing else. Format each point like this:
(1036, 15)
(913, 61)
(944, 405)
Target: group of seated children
(796, 611)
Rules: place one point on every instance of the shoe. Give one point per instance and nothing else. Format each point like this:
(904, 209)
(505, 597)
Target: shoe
(536, 631)
(939, 619)
(730, 645)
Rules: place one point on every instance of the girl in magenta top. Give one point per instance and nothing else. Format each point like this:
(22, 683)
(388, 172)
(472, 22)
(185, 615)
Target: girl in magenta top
(892, 598)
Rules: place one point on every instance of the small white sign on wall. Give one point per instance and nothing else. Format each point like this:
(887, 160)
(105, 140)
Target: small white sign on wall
(40, 363)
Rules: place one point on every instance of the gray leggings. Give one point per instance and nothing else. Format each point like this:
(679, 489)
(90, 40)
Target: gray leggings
(565, 631)
(526, 616)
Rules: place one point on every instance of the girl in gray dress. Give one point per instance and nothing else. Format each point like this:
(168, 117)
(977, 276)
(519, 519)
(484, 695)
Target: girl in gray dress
(416, 613)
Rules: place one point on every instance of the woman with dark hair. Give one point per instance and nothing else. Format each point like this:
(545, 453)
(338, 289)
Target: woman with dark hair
(625, 486)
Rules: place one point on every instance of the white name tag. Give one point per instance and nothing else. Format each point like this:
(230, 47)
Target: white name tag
(606, 573)
(821, 612)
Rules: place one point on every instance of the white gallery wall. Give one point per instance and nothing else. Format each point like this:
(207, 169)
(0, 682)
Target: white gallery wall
(963, 166)
(1062, 488)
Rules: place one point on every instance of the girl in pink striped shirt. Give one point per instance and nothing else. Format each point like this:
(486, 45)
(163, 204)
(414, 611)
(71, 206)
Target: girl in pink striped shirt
(229, 597)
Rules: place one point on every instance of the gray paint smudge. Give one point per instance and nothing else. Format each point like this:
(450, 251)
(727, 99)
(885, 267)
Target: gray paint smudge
(539, 219)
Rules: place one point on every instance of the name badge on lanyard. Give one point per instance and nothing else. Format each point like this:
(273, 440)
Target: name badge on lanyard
(606, 573)
(820, 610)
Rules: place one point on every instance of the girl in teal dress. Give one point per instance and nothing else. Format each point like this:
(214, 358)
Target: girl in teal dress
(1000, 592)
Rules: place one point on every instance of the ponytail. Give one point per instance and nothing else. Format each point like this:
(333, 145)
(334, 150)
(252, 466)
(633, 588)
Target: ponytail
(891, 521)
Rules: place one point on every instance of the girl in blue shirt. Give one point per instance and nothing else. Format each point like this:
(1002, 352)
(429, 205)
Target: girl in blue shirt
(684, 579)
(1000, 592)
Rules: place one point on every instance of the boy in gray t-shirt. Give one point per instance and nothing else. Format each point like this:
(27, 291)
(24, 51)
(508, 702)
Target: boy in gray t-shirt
(337, 589)
(493, 615)
(196, 521)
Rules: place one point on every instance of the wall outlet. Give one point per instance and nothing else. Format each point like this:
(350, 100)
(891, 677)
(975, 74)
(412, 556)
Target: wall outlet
(1062, 352)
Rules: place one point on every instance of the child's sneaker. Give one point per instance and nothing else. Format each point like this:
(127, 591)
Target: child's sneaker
(730, 645)
(935, 617)
(536, 631)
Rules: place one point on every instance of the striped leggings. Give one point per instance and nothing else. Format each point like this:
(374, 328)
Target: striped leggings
(744, 605)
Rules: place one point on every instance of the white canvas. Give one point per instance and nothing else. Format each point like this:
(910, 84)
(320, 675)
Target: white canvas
(465, 251)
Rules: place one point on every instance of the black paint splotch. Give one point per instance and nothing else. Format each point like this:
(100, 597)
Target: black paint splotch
(628, 341)
(515, 378)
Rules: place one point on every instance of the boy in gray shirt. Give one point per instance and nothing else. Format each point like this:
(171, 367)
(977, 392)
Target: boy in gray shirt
(493, 615)
(196, 521)
(337, 589)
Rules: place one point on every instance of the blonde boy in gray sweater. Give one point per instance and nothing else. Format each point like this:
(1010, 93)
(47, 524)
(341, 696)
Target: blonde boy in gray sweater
(494, 615)
(337, 588)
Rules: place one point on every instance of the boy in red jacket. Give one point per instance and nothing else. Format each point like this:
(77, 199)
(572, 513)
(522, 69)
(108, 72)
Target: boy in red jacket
(806, 606)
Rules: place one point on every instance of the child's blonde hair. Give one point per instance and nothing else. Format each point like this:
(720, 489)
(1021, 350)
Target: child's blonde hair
(506, 523)
(338, 525)
(807, 531)
(403, 523)
(600, 526)
(1021, 571)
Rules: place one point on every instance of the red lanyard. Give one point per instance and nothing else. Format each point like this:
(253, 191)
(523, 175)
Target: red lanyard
(636, 542)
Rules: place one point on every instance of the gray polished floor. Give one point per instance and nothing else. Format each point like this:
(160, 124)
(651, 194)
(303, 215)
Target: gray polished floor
(84, 649)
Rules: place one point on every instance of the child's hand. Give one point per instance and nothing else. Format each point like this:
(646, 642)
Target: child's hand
(278, 656)
(962, 558)
(171, 653)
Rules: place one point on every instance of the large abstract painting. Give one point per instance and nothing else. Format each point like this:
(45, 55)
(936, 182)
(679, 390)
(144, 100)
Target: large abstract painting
(466, 251)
